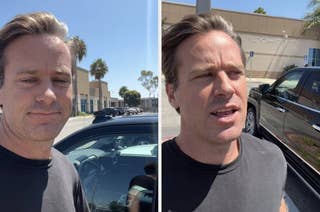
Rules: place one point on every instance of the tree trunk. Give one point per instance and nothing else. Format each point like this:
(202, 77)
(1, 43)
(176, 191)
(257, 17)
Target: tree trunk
(100, 95)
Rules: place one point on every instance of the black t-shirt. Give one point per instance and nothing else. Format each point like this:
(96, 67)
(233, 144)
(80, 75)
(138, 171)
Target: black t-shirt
(39, 185)
(253, 182)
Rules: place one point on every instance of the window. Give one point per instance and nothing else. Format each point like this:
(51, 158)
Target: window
(314, 57)
(287, 86)
(110, 168)
(310, 95)
(83, 105)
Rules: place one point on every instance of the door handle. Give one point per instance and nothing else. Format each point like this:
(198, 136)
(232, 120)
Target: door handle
(316, 127)
(281, 109)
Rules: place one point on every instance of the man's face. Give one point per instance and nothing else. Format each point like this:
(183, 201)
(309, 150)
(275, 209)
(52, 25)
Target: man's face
(211, 92)
(37, 90)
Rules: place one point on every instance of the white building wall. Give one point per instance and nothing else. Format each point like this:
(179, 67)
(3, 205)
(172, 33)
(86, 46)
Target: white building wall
(272, 53)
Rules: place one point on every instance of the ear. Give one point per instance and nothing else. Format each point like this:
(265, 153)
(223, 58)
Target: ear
(171, 95)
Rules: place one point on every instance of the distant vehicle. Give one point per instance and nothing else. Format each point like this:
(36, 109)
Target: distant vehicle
(121, 110)
(288, 112)
(101, 116)
(111, 111)
(132, 111)
(109, 155)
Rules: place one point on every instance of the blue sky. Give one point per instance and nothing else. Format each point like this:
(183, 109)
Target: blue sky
(122, 32)
(282, 8)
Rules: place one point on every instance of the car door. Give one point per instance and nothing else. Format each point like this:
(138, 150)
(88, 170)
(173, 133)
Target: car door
(276, 100)
(302, 122)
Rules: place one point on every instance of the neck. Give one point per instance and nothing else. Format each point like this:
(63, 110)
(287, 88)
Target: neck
(207, 151)
(23, 147)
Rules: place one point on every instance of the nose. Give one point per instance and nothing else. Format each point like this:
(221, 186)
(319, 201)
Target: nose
(223, 85)
(46, 93)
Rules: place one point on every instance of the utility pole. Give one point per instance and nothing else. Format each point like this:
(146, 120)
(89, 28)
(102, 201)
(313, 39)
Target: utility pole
(203, 6)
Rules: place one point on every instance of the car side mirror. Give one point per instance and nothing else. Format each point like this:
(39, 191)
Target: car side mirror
(264, 88)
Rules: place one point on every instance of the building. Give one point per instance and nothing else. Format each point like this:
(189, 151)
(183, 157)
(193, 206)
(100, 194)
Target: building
(115, 102)
(88, 92)
(149, 104)
(94, 95)
(270, 43)
(83, 90)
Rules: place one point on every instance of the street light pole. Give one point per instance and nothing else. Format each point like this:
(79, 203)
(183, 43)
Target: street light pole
(203, 6)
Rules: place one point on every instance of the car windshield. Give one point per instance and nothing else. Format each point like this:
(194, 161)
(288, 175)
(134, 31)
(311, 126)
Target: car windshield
(114, 167)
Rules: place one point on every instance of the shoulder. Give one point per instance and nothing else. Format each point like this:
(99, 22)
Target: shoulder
(169, 147)
(62, 163)
(262, 149)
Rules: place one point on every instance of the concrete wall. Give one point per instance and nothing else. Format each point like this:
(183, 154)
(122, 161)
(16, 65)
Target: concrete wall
(275, 41)
(149, 104)
(272, 53)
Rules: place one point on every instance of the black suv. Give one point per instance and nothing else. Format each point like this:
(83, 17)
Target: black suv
(288, 112)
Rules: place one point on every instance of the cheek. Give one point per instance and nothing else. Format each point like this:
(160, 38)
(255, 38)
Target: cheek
(65, 97)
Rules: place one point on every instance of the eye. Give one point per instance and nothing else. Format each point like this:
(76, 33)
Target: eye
(62, 81)
(28, 80)
(204, 75)
(235, 74)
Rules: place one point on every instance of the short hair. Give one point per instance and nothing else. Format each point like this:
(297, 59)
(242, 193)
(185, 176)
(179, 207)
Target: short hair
(187, 27)
(37, 23)
(151, 168)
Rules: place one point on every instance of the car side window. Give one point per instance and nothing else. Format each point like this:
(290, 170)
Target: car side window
(310, 94)
(287, 88)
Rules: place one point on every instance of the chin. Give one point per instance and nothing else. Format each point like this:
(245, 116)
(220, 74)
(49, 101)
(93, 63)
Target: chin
(45, 133)
(226, 136)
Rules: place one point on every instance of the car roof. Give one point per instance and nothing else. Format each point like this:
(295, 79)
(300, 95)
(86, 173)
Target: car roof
(137, 119)
(308, 67)
(126, 120)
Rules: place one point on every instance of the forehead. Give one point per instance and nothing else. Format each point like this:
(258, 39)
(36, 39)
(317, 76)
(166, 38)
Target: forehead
(208, 46)
(28, 47)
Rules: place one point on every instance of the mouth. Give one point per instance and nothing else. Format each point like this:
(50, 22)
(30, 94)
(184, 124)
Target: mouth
(220, 113)
(225, 115)
(43, 114)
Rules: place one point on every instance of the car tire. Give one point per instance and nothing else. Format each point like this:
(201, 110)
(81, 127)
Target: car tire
(251, 122)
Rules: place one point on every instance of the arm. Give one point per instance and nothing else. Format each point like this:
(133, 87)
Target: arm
(283, 206)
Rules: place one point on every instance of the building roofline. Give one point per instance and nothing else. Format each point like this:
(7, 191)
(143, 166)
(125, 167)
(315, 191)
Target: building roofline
(234, 11)
(82, 69)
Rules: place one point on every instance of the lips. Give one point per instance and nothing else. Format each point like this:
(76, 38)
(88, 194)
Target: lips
(43, 115)
(224, 112)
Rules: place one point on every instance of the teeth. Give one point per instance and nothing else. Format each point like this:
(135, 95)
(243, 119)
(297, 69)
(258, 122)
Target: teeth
(223, 110)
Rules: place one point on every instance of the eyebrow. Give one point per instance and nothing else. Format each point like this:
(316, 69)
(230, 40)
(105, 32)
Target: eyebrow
(58, 71)
(205, 68)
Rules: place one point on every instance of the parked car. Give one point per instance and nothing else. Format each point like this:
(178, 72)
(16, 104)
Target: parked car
(288, 112)
(111, 111)
(121, 110)
(109, 155)
(101, 116)
(132, 111)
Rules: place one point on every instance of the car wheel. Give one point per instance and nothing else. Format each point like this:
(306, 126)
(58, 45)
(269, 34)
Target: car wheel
(251, 122)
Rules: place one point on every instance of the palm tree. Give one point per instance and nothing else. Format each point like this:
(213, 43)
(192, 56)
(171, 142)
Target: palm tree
(98, 69)
(313, 19)
(80, 51)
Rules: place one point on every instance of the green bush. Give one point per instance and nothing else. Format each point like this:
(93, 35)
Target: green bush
(83, 114)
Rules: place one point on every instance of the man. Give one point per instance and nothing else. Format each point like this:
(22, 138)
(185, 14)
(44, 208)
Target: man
(35, 97)
(142, 188)
(211, 165)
